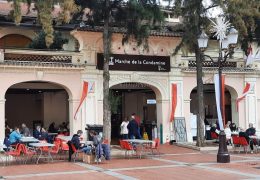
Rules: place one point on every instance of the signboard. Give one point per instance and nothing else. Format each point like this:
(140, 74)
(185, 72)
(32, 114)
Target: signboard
(123, 62)
(179, 127)
(151, 101)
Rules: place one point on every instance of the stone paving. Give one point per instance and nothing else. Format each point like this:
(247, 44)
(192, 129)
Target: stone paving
(173, 163)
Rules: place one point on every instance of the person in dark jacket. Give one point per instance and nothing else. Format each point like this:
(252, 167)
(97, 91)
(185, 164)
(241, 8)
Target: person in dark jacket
(244, 134)
(37, 133)
(133, 128)
(251, 130)
(75, 140)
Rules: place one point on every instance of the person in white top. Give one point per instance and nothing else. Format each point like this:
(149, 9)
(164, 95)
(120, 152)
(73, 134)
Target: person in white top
(228, 133)
(124, 129)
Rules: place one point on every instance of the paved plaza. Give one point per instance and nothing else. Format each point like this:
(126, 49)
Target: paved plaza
(174, 163)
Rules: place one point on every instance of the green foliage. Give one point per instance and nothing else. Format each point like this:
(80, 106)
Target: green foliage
(45, 9)
(245, 16)
(39, 41)
(136, 17)
(114, 102)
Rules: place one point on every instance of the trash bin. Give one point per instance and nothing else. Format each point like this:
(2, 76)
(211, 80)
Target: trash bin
(95, 127)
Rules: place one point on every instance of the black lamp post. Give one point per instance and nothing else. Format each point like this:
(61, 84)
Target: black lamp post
(226, 47)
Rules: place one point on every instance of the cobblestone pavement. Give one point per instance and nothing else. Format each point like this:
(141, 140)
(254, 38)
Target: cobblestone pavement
(173, 163)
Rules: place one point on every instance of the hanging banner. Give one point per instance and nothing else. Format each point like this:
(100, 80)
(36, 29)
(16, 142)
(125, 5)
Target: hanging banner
(217, 94)
(223, 99)
(174, 101)
(249, 87)
(83, 97)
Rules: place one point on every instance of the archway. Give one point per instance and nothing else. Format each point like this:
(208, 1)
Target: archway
(36, 103)
(139, 98)
(15, 41)
(210, 106)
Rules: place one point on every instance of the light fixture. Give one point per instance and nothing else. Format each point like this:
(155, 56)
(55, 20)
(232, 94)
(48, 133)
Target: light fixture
(225, 44)
(203, 40)
(232, 36)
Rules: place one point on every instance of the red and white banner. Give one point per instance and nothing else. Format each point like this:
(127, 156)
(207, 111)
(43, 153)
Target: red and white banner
(252, 57)
(174, 101)
(246, 90)
(217, 94)
(223, 103)
(83, 97)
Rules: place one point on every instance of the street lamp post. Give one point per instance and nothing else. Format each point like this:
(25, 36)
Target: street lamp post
(226, 46)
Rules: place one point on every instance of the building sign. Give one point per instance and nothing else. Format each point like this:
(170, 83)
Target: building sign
(123, 62)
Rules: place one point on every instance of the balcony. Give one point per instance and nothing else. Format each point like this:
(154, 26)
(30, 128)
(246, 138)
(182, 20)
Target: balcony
(43, 59)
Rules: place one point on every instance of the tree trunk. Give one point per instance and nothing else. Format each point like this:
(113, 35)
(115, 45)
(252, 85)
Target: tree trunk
(201, 113)
(106, 104)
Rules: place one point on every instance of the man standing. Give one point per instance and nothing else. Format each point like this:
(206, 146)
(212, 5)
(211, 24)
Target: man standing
(133, 128)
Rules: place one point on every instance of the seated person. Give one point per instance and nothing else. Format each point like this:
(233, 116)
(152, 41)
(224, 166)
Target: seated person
(214, 129)
(7, 143)
(25, 131)
(242, 133)
(15, 136)
(76, 142)
(228, 133)
(37, 133)
(101, 149)
(251, 130)
(45, 136)
(233, 127)
(52, 128)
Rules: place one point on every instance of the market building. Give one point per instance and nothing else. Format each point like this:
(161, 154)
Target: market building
(41, 87)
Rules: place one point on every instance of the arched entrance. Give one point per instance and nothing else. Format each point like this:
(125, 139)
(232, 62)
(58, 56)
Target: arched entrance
(138, 98)
(210, 105)
(36, 103)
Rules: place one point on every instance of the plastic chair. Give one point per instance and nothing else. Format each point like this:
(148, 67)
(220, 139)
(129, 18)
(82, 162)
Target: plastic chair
(76, 151)
(121, 142)
(15, 153)
(214, 135)
(156, 145)
(28, 152)
(56, 148)
(128, 148)
(235, 142)
(243, 143)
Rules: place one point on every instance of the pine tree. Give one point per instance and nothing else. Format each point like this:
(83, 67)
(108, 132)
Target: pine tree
(243, 14)
(136, 17)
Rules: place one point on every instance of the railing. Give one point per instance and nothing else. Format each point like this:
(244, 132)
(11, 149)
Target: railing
(42, 58)
(212, 64)
(38, 58)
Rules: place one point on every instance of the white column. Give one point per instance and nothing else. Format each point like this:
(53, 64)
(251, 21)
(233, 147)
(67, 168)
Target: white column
(75, 124)
(2, 119)
(251, 104)
(163, 118)
(235, 117)
(187, 119)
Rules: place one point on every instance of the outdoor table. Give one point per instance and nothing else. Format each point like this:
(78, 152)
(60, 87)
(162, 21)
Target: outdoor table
(140, 142)
(52, 134)
(65, 138)
(39, 146)
(68, 138)
(29, 140)
(234, 133)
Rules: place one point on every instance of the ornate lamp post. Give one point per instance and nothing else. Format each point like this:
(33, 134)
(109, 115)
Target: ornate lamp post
(227, 37)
